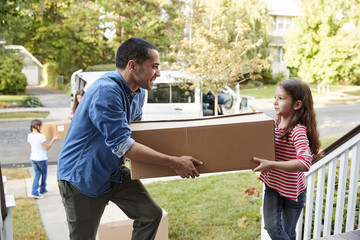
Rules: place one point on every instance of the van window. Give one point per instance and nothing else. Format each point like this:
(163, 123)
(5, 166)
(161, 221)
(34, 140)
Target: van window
(166, 93)
(159, 94)
(182, 95)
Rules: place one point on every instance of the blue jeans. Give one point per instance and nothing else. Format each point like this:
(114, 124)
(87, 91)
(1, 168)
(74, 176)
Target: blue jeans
(281, 214)
(40, 168)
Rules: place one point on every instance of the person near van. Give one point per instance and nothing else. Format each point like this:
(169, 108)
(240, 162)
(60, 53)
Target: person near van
(78, 96)
(91, 169)
(39, 146)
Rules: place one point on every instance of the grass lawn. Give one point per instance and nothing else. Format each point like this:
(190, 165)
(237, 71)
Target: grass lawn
(12, 98)
(27, 223)
(268, 91)
(15, 173)
(23, 115)
(210, 207)
(353, 90)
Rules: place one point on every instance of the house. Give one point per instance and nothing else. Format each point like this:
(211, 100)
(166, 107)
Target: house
(283, 13)
(32, 66)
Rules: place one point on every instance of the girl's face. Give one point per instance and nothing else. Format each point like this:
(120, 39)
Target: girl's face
(283, 104)
(78, 97)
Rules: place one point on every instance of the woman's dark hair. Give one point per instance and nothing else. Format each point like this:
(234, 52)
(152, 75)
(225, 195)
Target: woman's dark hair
(133, 49)
(299, 90)
(76, 102)
(35, 124)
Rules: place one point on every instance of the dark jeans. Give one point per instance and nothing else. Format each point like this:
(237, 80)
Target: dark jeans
(84, 212)
(281, 214)
(40, 168)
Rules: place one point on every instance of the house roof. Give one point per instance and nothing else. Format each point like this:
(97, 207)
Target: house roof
(24, 51)
(277, 41)
(283, 7)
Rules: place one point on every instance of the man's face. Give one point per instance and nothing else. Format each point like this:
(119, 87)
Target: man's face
(148, 71)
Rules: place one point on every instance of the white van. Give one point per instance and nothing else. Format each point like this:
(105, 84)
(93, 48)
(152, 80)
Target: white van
(172, 98)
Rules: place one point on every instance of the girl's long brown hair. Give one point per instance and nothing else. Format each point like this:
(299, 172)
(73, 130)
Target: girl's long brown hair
(299, 90)
(76, 102)
(35, 124)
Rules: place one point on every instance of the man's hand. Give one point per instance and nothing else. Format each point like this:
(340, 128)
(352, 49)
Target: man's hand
(185, 166)
(264, 165)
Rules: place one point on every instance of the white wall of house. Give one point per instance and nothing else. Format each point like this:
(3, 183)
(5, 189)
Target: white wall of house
(283, 13)
(31, 71)
(32, 67)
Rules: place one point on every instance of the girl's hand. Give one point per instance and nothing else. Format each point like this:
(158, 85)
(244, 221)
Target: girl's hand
(264, 165)
(56, 137)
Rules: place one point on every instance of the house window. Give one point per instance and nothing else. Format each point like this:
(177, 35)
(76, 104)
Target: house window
(282, 23)
(280, 54)
(288, 23)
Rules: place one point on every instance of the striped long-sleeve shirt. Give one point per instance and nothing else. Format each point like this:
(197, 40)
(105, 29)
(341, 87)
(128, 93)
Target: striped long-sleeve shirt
(289, 184)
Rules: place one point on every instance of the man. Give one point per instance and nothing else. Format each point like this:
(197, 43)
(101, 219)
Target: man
(90, 168)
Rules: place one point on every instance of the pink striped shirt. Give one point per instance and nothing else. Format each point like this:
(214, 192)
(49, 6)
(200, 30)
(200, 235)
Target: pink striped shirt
(289, 184)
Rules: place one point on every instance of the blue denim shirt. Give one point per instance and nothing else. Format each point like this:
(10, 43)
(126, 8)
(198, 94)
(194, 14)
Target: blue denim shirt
(99, 135)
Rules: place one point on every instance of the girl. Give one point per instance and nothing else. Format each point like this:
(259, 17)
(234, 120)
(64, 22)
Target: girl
(39, 146)
(78, 96)
(296, 142)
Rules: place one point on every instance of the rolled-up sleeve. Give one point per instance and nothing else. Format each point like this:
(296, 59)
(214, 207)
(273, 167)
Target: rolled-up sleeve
(107, 113)
(123, 147)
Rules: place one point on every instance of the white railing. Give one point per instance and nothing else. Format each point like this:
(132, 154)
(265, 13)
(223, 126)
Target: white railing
(7, 202)
(332, 190)
(332, 186)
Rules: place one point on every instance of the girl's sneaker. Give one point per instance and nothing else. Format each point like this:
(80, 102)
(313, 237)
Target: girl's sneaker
(37, 196)
(46, 191)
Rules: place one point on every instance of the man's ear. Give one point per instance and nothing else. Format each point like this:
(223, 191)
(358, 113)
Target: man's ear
(297, 105)
(131, 65)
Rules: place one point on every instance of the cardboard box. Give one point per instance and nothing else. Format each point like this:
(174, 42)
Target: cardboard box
(50, 129)
(225, 143)
(114, 224)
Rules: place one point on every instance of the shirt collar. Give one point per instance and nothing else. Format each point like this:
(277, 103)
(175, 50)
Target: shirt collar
(129, 92)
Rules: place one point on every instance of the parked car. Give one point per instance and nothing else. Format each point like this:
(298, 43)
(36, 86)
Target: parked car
(172, 98)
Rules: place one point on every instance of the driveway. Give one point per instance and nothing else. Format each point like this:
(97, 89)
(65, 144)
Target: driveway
(50, 97)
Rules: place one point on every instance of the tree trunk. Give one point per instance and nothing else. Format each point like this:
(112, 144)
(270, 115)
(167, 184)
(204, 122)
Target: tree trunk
(216, 103)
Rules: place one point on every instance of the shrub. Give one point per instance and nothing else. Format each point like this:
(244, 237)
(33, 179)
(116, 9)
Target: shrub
(52, 72)
(12, 80)
(31, 102)
(280, 76)
(267, 77)
(4, 105)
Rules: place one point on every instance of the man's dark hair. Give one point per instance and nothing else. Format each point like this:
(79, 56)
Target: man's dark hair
(133, 49)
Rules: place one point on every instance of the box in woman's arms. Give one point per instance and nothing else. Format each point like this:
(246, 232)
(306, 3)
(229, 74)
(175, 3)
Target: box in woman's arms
(225, 143)
(50, 129)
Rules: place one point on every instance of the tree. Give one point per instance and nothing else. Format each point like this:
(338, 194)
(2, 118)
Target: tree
(221, 51)
(15, 18)
(71, 34)
(158, 21)
(324, 46)
(68, 34)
